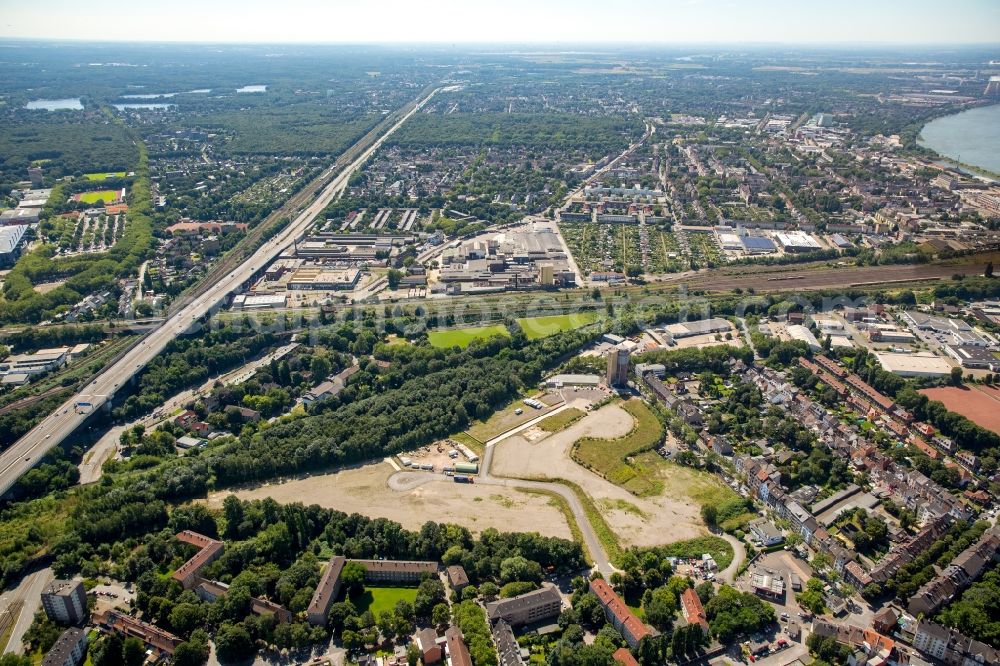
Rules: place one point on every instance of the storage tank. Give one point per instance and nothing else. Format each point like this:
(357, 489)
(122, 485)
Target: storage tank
(467, 468)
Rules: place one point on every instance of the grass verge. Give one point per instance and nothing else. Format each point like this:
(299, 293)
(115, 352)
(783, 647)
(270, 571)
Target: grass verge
(562, 420)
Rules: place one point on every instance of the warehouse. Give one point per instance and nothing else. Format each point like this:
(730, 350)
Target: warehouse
(976, 358)
(803, 334)
(797, 241)
(923, 364)
(560, 381)
(323, 279)
(702, 327)
(259, 301)
(11, 241)
(758, 245)
(20, 216)
(729, 241)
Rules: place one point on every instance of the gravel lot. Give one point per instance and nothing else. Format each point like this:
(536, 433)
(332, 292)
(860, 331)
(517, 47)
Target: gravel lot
(365, 490)
(636, 521)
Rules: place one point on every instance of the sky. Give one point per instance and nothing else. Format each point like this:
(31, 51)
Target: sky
(507, 21)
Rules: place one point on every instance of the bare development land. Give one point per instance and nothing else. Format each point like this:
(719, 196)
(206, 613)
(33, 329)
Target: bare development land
(365, 490)
(981, 405)
(636, 521)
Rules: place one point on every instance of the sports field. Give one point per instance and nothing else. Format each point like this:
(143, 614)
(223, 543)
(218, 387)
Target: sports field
(378, 599)
(541, 327)
(979, 404)
(463, 336)
(104, 175)
(107, 196)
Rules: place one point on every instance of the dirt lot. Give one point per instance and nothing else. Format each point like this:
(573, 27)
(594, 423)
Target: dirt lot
(364, 490)
(636, 521)
(981, 405)
(506, 418)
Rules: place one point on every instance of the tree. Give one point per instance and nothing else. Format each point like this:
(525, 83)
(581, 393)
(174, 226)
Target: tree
(989, 270)
(185, 618)
(956, 376)
(393, 277)
(489, 591)
(133, 652)
(441, 615)
(353, 577)
(519, 568)
(233, 643)
(709, 514)
(812, 596)
(107, 651)
(429, 594)
(11, 659)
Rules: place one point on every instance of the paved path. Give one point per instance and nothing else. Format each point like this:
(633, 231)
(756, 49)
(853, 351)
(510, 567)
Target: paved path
(739, 556)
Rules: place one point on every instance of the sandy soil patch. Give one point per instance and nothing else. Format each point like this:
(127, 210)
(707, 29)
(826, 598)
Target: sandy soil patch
(46, 287)
(637, 521)
(364, 490)
(979, 404)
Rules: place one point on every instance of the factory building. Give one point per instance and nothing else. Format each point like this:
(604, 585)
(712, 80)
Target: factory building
(321, 278)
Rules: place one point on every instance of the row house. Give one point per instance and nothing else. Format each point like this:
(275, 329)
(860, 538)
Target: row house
(951, 647)
(958, 575)
(906, 553)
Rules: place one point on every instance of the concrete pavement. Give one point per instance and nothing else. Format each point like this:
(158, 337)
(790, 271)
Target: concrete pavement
(29, 591)
(32, 447)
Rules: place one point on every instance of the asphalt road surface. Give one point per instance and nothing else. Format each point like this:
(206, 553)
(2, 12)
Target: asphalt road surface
(32, 447)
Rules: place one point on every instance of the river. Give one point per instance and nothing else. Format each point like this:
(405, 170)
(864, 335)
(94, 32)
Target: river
(972, 137)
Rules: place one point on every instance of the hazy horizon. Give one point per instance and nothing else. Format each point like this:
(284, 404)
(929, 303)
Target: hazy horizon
(552, 22)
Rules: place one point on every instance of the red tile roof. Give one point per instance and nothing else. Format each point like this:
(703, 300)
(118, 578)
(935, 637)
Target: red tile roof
(624, 657)
(623, 614)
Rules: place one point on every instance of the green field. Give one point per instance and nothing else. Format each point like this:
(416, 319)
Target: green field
(379, 599)
(103, 175)
(541, 327)
(107, 196)
(461, 337)
(607, 456)
(563, 419)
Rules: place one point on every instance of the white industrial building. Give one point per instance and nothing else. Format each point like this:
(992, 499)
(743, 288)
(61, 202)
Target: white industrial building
(922, 364)
(803, 334)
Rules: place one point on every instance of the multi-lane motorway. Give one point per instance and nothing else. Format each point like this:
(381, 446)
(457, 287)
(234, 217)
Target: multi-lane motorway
(32, 447)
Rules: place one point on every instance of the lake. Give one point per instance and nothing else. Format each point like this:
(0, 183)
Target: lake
(67, 104)
(972, 137)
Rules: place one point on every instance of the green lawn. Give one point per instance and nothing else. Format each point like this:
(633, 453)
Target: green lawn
(107, 196)
(557, 422)
(103, 175)
(607, 456)
(541, 327)
(378, 599)
(463, 336)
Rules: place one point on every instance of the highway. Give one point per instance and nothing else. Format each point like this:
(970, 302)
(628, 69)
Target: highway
(32, 447)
